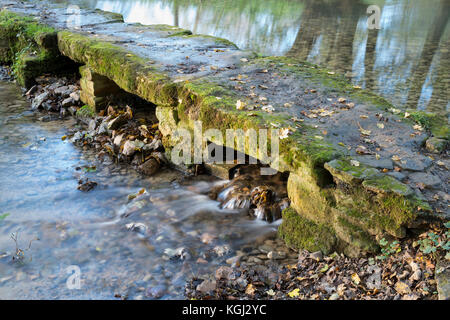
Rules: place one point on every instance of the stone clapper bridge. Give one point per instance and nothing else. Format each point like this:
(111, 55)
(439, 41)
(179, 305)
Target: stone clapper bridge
(359, 168)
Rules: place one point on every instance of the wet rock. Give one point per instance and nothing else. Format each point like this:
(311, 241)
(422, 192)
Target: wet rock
(274, 255)
(153, 146)
(265, 248)
(149, 167)
(224, 273)
(138, 227)
(419, 163)
(103, 129)
(75, 95)
(371, 161)
(39, 100)
(67, 102)
(92, 125)
(428, 180)
(86, 185)
(178, 253)
(397, 175)
(130, 147)
(63, 91)
(234, 261)
(435, 145)
(77, 137)
(206, 286)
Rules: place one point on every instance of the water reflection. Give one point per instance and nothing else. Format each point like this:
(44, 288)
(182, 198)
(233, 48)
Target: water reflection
(405, 61)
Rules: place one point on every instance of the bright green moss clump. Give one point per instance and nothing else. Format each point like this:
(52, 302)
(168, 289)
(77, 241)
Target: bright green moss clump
(29, 46)
(86, 112)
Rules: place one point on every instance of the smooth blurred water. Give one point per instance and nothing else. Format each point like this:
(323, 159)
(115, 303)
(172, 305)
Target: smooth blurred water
(39, 175)
(406, 61)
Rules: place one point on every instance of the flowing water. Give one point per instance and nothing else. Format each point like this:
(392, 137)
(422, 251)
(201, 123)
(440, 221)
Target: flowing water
(142, 247)
(406, 60)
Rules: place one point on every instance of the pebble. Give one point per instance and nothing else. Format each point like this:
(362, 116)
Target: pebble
(318, 255)
(224, 273)
(206, 286)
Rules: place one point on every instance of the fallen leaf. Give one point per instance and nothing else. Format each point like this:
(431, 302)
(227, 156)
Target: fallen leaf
(240, 105)
(268, 108)
(355, 278)
(294, 293)
(270, 292)
(250, 290)
(354, 163)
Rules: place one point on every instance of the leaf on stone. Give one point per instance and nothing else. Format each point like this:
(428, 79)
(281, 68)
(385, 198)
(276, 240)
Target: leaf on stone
(380, 125)
(364, 132)
(396, 158)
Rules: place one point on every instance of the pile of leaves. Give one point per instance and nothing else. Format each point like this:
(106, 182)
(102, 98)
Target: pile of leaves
(404, 270)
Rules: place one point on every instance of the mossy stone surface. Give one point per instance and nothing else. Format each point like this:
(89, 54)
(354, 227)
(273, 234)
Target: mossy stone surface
(299, 232)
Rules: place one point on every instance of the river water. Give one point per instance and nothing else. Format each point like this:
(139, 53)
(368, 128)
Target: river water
(93, 232)
(406, 60)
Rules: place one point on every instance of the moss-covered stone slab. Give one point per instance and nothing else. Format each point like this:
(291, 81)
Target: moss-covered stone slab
(350, 171)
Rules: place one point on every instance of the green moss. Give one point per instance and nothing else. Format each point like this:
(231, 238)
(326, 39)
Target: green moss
(130, 72)
(357, 238)
(348, 173)
(86, 112)
(31, 49)
(436, 124)
(301, 233)
(386, 184)
(220, 41)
